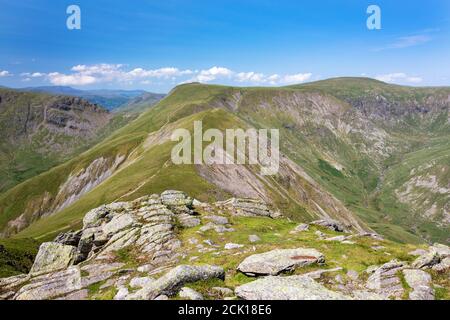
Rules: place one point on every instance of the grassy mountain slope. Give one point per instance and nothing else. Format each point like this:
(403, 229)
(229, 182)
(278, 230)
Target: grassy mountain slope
(343, 141)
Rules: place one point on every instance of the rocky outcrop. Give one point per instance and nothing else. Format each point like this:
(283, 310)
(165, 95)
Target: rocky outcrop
(278, 261)
(138, 250)
(247, 208)
(287, 288)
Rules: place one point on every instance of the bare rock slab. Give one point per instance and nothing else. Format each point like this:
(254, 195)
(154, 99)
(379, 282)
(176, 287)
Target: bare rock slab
(280, 260)
(287, 288)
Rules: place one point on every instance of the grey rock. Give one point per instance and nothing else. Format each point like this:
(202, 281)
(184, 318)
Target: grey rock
(188, 221)
(421, 285)
(300, 228)
(280, 260)
(224, 292)
(170, 283)
(69, 238)
(330, 224)
(140, 282)
(232, 246)
(384, 280)
(318, 273)
(51, 285)
(118, 223)
(287, 288)
(352, 274)
(76, 296)
(190, 294)
(253, 238)
(121, 294)
(176, 198)
(53, 256)
(443, 266)
(427, 260)
(217, 219)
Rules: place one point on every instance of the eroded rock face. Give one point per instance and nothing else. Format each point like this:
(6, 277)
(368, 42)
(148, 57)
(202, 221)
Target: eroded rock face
(278, 261)
(53, 256)
(287, 288)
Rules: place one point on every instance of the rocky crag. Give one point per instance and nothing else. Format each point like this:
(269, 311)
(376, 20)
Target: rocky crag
(171, 246)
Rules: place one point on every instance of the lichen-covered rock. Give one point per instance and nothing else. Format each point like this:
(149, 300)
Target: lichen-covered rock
(170, 283)
(287, 288)
(53, 256)
(420, 283)
(385, 281)
(118, 223)
(217, 219)
(280, 260)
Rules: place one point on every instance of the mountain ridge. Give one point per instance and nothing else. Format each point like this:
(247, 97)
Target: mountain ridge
(342, 169)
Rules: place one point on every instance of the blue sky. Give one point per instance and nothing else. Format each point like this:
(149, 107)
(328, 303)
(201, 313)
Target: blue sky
(155, 45)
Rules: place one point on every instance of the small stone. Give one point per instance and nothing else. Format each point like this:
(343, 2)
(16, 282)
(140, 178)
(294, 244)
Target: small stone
(300, 228)
(232, 246)
(352, 274)
(217, 219)
(253, 238)
(190, 294)
(121, 294)
(224, 292)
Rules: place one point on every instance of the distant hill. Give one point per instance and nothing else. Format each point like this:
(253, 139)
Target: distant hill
(39, 131)
(109, 99)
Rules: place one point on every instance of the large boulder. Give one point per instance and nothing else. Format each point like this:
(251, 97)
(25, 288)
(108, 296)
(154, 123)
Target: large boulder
(170, 283)
(420, 283)
(287, 288)
(280, 260)
(53, 256)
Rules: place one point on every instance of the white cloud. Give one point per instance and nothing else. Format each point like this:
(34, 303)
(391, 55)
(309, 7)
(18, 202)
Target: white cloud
(5, 73)
(59, 79)
(82, 75)
(410, 41)
(212, 74)
(296, 78)
(398, 77)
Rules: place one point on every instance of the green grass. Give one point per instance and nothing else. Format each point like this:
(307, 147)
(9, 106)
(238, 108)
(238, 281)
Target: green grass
(17, 256)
